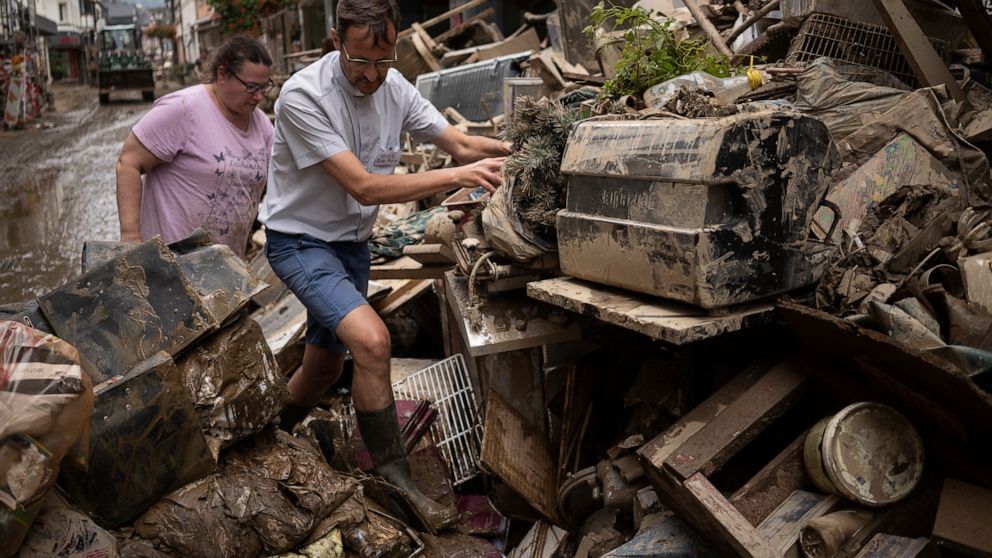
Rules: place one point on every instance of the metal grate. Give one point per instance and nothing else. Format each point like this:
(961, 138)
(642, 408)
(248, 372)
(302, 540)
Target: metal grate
(474, 90)
(854, 42)
(457, 431)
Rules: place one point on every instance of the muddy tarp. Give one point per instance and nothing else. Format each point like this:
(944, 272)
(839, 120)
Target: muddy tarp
(234, 382)
(145, 441)
(843, 104)
(270, 494)
(920, 115)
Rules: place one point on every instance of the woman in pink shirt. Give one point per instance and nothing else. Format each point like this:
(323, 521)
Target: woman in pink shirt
(200, 156)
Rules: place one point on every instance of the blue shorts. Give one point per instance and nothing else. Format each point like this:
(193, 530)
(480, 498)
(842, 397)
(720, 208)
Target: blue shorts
(330, 278)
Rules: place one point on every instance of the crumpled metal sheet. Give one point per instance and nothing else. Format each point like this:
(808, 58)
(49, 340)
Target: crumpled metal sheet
(269, 496)
(145, 441)
(126, 310)
(234, 382)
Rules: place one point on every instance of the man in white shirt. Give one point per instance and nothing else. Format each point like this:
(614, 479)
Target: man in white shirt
(337, 141)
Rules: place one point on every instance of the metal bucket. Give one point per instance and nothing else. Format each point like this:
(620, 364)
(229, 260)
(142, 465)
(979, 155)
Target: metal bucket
(867, 453)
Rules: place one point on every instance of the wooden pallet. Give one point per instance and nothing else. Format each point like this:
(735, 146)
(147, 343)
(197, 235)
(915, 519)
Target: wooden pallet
(679, 460)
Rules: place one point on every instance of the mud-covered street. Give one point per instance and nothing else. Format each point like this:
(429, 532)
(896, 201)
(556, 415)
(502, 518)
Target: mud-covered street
(58, 189)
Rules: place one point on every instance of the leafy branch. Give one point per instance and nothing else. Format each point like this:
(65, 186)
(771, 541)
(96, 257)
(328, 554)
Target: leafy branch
(651, 53)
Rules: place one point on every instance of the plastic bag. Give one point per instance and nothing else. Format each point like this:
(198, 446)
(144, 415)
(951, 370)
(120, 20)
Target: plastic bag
(506, 233)
(45, 403)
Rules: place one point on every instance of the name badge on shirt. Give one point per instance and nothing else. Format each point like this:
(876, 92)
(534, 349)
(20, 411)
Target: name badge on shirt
(387, 159)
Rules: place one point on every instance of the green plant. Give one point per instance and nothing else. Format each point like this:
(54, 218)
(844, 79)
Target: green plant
(651, 52)
(244, 16)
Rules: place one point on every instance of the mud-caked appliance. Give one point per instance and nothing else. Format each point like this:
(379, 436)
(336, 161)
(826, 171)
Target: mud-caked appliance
(712, 211)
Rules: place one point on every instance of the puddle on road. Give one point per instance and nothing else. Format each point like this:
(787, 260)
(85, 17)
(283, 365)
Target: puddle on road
(57, 200)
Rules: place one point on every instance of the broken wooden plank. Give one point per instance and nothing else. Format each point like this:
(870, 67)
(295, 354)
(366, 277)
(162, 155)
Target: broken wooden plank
(747, 416)
(664, 320)
(464, 25)
(430, 254)
(926, 63)
(707, 27)
(407, 268)
(441, 17)
(521, 43)
(659, 449)
(401, 294)
(519, 456)
(703, 506)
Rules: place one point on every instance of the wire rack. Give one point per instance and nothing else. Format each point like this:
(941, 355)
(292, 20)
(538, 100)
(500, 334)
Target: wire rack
(457, 431)
(853, 42)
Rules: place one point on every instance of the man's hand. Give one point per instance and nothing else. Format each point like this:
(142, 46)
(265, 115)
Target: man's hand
(486, 173)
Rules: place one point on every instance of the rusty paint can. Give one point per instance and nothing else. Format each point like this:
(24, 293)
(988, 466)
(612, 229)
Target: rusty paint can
(868, 453)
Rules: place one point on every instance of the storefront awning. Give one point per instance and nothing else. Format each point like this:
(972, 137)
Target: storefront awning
(45, 26)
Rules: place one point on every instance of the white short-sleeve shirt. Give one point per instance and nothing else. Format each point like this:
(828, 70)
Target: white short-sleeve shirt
(318, 115)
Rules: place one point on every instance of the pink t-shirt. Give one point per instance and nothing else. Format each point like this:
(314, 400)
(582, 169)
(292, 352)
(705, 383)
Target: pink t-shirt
(213, 175)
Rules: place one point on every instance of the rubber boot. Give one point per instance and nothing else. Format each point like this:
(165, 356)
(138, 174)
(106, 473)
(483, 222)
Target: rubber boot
(292, 415)
(381, 434)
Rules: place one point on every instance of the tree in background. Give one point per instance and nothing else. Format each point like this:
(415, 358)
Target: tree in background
(245, 16)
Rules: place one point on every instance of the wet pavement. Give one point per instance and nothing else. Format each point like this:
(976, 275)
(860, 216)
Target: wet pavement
(58, 189)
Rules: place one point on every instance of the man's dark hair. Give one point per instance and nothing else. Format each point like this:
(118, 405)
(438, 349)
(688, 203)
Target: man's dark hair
(374, 14)
(233, 54)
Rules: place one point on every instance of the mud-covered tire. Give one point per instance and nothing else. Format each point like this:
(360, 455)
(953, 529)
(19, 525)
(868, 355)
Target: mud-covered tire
(148, 95)
(104, 98)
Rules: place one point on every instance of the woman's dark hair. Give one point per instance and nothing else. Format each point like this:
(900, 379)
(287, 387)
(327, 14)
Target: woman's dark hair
(374, 14)
(233, 54)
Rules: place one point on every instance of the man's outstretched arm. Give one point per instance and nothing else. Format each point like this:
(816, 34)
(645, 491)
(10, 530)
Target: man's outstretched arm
(468, 149)
(374, 189)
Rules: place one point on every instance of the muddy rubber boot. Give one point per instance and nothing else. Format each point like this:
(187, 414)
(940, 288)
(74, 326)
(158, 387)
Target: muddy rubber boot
(381, 434)
(292, 415)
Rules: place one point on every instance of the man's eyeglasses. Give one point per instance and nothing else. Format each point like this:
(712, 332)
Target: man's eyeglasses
(380, 65)
(252, 88)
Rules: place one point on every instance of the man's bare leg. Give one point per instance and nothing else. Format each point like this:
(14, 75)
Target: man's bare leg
(321, 369)
(366, 336)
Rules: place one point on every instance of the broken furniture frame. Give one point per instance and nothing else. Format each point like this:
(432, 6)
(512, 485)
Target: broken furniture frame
(679, 460)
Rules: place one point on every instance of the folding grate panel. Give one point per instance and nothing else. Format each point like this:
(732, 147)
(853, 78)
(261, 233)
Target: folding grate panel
(457, 431)
(475, 90)
(854, 42)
